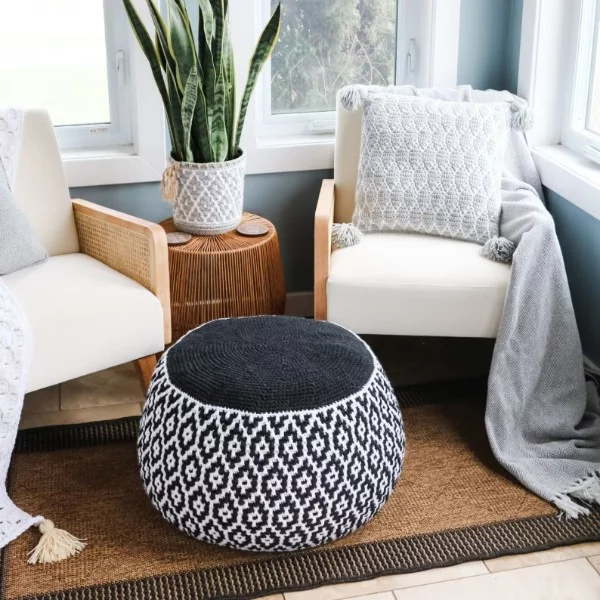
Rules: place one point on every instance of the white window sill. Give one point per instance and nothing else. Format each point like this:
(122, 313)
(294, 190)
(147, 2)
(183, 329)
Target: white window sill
(112, 167)
(570, 175)
(69, 155)
(290, 153)
(296, 140)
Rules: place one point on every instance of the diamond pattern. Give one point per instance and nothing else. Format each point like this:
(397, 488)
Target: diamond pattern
(210, 197)
(431, 166)
(270, 481)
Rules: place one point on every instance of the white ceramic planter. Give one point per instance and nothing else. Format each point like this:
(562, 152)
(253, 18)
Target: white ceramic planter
(208, 198)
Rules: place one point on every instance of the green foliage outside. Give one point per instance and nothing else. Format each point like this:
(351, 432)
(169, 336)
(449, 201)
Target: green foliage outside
(326, 44)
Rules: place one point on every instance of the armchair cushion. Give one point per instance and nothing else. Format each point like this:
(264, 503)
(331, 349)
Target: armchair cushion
(413, 284)
(85, 317)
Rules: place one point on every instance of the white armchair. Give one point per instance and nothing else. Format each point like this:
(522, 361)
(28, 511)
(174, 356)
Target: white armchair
(397, 283)
(102, 298)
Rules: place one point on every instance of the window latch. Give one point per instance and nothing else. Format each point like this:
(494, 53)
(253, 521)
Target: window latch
(322, 126)
(120, 67)
(413, 55)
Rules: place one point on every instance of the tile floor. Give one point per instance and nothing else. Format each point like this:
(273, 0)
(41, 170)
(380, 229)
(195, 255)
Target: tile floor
(111, 394)
(567, 573)
(571, 573)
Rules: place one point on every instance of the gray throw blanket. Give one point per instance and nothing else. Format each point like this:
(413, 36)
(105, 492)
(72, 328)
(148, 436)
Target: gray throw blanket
(542, 419)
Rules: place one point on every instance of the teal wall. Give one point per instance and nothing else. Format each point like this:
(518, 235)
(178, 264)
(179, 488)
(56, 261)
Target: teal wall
(485, 27)
(286, 199)
(513, 39)
(289, 199)
(579, 236)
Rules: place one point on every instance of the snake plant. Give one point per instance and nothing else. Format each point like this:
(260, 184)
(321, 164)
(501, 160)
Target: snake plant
(197, 81)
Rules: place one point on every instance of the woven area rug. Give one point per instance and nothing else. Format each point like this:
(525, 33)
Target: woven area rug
(453, 504)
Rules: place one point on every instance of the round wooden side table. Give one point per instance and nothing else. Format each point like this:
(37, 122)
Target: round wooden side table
(229, 275)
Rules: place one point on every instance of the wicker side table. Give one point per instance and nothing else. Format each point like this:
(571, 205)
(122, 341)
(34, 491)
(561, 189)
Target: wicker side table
(228, 275)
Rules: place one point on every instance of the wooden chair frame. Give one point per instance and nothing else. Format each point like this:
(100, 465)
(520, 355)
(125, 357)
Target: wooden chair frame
(134, 247)
(324, 215)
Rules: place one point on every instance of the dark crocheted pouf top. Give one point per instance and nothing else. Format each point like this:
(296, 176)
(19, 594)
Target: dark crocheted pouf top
(269, 364)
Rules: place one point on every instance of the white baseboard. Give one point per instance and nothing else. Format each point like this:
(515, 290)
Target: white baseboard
(300, 304)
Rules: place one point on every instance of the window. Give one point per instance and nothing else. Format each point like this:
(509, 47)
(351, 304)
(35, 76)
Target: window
(322, 47)
(581, 127)
(79, 60)
(69, 57)
(593, 116)
(559, 74)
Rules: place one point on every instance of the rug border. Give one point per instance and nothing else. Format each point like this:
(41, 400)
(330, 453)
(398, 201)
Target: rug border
(311, 569)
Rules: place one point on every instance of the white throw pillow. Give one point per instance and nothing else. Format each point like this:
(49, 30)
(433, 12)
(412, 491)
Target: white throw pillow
(431, 166)
(19, 246)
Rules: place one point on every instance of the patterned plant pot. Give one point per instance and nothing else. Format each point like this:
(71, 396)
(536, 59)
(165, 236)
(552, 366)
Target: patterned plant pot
(207, 198)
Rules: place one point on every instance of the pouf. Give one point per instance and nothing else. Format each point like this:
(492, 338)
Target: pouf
(270, 434)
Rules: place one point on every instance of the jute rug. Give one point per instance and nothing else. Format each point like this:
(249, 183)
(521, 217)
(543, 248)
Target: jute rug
(453, 504)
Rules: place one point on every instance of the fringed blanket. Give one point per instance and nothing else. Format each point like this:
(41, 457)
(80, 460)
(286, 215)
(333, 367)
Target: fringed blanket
(15, 355)
(542, 419)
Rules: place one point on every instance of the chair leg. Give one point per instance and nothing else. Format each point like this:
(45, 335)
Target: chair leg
(145, 367)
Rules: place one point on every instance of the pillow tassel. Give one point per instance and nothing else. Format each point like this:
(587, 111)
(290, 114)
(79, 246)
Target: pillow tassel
(498, 249)
(522, 115)
(351, 97)
(344, 235)
(54, 545)
(169, 186)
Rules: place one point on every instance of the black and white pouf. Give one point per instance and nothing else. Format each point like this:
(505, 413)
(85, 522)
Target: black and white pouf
(270, 434)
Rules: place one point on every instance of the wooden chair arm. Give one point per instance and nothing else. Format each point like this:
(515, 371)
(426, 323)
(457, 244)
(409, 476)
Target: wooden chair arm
(132, 246)
(323, 225)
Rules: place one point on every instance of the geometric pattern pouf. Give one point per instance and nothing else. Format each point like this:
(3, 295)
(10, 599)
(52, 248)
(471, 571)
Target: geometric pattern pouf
(270, 434)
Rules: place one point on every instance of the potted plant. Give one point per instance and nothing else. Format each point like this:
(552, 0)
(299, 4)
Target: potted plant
(205, 176)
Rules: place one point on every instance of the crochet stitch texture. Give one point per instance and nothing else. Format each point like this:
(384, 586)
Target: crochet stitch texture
(270, 434)
(431, 166)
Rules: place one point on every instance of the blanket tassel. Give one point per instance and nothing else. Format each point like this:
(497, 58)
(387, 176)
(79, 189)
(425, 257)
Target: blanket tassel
(586, 491)
(54, 545)
(569, 507)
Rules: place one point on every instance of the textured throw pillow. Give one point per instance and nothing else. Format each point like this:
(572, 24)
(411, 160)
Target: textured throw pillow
(431, 166)
(19, 246)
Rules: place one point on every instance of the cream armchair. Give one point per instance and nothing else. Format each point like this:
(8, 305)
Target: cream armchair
(102, 298)
(396, 283)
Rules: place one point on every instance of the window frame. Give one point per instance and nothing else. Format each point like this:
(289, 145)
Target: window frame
(549, 49)
(118, 132)
(144, 157)
(584, 40)
(299, 124)
(434, 24)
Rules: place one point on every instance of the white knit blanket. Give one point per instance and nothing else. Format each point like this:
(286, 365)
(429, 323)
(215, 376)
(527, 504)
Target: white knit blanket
(542, 418)
(15, 355)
